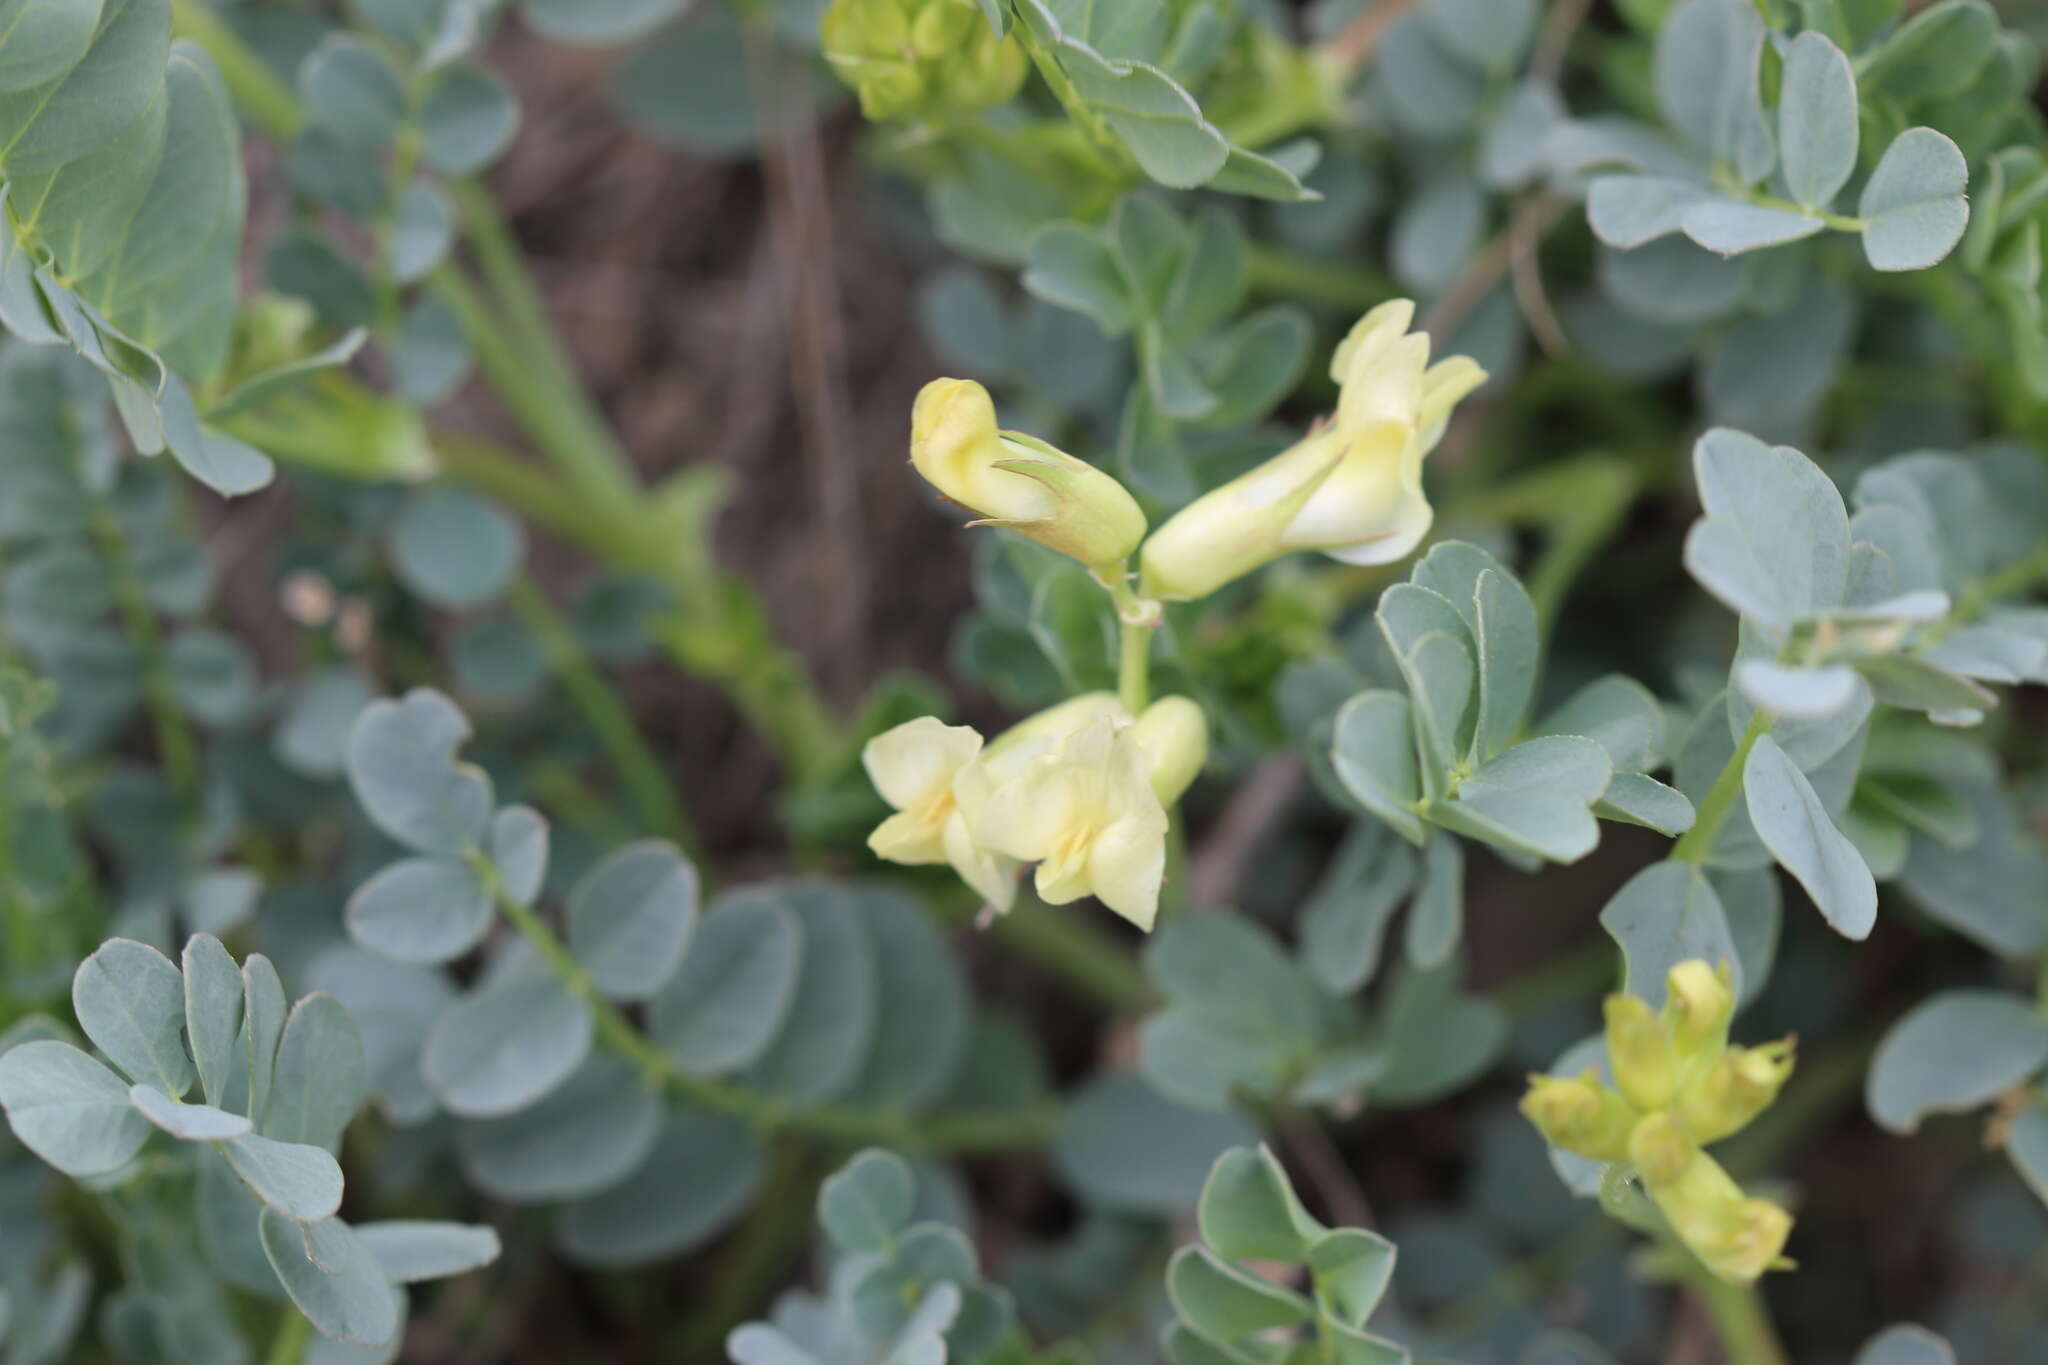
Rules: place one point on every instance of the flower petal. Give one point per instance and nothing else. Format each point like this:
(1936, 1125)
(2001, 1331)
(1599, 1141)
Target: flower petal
(915, 762)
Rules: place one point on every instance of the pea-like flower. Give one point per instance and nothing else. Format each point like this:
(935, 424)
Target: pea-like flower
(1085, 811)
(920, 58)
(915, 767)
(1009, 479)
(1352, 489)
(1082, 789)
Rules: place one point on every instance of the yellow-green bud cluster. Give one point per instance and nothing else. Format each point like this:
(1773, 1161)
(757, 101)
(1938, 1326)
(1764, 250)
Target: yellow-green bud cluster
(1678, 1085)
(920, 58)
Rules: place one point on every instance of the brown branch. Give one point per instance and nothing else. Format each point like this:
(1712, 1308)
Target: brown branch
(1342, 1197)
(1352, 46)
(1555, 40)
(1214, 873)
(1534, 216)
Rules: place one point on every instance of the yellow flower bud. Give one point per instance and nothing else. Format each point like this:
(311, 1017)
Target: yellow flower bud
(1741, 1084)
(1352, 490)
(1736, 1237)
(916, 767)
(1699, 1003)
(1036, 734)
(1174, 734)
(1084, 809)
(1640, 1052)
(1661, 1151)
(920, 58)
(1009, 479)
(1581, 1115)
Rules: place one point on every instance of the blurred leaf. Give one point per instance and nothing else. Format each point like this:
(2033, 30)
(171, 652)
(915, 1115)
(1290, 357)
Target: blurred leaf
(1952, 1053)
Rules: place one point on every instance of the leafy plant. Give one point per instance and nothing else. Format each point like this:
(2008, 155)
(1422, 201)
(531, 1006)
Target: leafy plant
(1444, 476)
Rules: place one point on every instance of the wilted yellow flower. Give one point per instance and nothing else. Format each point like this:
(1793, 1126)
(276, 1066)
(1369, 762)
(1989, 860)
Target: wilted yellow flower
(1581, 1115)
(1018, 481)
(1352, 489)
(1640, 1051)
(911, 58)
(1699, 1003)
(1739, 1086)
(1736, 1237)
(1083, 808)
(915, 767)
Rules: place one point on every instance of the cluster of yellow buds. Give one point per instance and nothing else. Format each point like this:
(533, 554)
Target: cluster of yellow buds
(1082, 789)
(1678, 1085)
(920, 58)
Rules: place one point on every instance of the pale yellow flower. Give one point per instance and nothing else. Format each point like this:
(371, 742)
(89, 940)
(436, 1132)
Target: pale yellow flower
(1009, 479)
(1081, 806)
(1352, 489)
(915, 767)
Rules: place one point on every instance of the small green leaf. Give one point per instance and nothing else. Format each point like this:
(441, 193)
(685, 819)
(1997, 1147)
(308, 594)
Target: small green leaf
(303, 1183)
(631, 918)
(1667, 914)
(867, 1202)
(653, 1216)
(505, 1045)
(1535, 798)
(1249, 1212)
(420, 910)
(189, 1122)
(1794, 824)
(411, 1251)
(1353, 1268)
(1774, 544)
(213, 1011)
(579, 1141)
(344, 1293)
(1914, 204)
(736, 987)
(455, 549)
(1708, 77)
(1953, 1053)
(402, 765)
(130, 1001)
(1818, 130)
(599, 23)
(68, 1109)
(321, 1075)
(467, 120)
(1374, 756)
(1906, 1344)
(351, 90)
(1226, 1304)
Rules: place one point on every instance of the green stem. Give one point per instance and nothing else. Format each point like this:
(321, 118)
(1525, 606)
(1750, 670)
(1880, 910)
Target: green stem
(1075, 949)
(294, 1335)
(587, 450)
(175, 744)
(267, 101)
(1698, 841)
(609, 718)
(1741, 1322)
(1103, 142)
(522, 358)
(1324, 283)
(759, 1256)
(1016, 1129)
(1134, 666)
(1137, 621)
(1974, 600)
